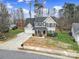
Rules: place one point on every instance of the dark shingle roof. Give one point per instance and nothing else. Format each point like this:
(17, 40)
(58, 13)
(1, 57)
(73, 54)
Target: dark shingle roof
(40, 19)
(30, 20)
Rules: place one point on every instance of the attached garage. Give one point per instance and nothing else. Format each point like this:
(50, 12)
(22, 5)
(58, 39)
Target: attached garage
(29, 29)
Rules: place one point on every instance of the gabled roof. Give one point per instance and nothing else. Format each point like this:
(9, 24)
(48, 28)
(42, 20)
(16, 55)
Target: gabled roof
(38, 19)
(49, 20)
(30, 20)
(29, 25)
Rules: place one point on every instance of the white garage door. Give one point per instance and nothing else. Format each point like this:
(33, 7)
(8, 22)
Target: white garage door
(29, 29)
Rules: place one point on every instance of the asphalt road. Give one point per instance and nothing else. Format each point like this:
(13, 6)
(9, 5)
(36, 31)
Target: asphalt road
(8, 54)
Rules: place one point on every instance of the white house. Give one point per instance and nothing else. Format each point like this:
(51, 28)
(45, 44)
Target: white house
(40, 25)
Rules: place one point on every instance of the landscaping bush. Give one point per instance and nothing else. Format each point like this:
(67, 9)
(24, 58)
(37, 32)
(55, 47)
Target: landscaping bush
(2, 37)
(14, 28)
(4, 30)
(70, 33)
(52, 34)
(48, 34)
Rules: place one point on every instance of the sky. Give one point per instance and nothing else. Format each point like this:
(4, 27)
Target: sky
(14, 4)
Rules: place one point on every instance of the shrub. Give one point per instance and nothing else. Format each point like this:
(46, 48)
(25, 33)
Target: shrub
(52, 34)
(4, 29)
(14, 28)
(2, 37)
(70, 33)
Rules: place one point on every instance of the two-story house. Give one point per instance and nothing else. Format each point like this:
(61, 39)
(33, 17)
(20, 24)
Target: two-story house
(42, 25)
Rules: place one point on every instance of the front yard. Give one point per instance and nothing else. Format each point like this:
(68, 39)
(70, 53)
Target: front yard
(38, 42)
(11, 34)
(66, 38)
(62, 41)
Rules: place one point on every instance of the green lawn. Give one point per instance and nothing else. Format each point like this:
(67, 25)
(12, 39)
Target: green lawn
(13, 33)
(66, 38)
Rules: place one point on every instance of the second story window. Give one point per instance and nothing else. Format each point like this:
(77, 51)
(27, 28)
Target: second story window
(38, 24)
(50, 25)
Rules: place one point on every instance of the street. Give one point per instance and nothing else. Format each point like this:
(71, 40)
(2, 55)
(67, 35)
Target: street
(7, 54)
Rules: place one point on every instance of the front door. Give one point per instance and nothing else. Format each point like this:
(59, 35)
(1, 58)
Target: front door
(40, 33)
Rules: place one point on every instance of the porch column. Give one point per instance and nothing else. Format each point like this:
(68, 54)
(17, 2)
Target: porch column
(37, 33)
(42, 33)
(46, 33)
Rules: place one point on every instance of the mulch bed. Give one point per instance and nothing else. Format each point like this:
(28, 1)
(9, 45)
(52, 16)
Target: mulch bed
(39, 42)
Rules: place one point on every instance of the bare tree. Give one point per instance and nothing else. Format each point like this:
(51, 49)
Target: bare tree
(4, 18)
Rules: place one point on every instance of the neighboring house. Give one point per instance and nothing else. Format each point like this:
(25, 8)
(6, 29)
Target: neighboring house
(42, 25)
(75, 31)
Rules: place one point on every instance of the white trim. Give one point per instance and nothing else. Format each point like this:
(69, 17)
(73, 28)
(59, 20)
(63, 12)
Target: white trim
(49, 20)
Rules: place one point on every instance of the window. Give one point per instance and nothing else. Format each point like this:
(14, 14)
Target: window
(38, 24)
(50, 25)
(47, 24)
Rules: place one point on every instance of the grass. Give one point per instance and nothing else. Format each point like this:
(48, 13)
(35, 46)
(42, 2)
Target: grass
(13, 33)
(66, 38)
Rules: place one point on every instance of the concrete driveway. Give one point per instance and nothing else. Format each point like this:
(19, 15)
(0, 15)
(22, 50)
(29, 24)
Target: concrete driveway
(14, 44)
